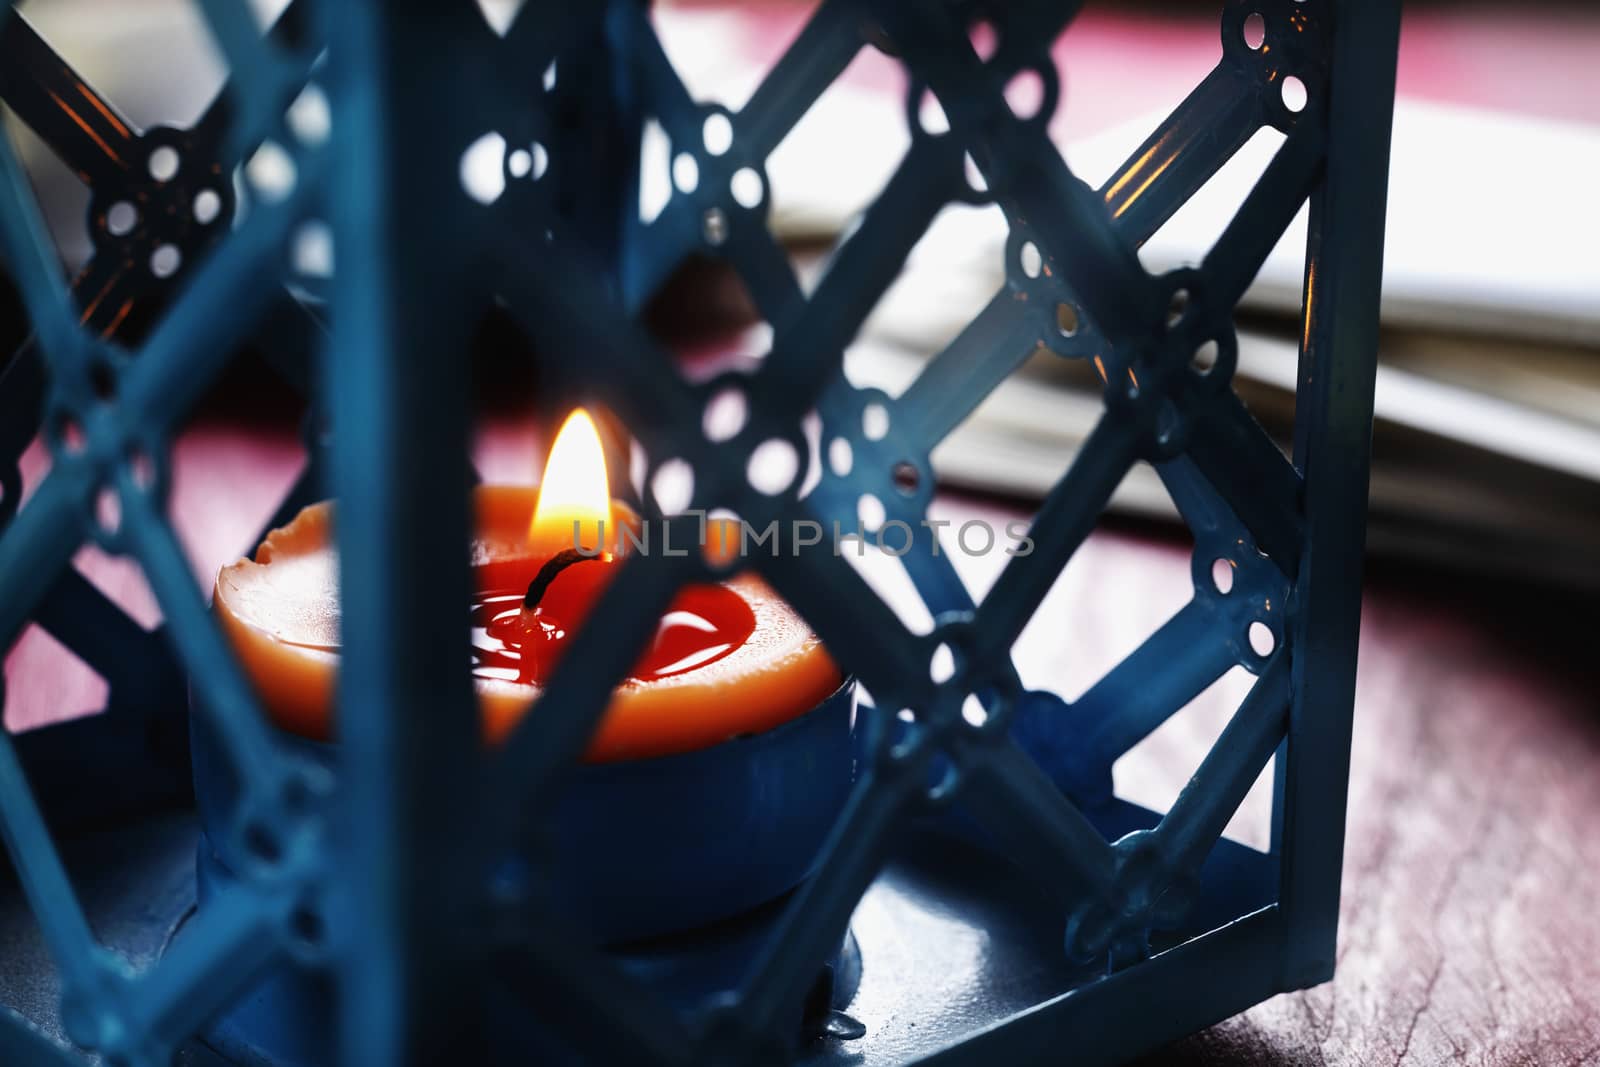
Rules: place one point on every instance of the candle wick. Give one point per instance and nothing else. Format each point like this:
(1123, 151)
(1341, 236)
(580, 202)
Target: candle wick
(547, 574)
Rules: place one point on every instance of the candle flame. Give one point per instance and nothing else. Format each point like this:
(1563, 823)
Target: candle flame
(574, 490)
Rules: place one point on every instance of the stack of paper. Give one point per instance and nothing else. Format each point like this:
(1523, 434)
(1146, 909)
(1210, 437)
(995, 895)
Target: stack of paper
(1487, 435)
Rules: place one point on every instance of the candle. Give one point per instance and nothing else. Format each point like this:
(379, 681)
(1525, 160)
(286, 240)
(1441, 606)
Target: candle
(727, 659)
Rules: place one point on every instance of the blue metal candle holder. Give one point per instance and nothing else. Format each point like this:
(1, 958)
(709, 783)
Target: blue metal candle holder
(1110, 928)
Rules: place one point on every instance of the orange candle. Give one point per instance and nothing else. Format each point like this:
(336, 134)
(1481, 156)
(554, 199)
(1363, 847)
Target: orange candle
(728, 658)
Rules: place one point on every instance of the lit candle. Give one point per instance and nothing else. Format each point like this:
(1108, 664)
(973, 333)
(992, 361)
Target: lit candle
(727, 659)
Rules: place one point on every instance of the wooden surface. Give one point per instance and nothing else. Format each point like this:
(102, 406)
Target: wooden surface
(1468, 931)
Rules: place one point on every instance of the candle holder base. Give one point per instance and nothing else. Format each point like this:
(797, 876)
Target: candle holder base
(289, 1018)
(678, 865)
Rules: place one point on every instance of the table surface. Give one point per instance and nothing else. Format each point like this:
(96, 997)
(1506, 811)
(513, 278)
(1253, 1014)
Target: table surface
(1467, 931)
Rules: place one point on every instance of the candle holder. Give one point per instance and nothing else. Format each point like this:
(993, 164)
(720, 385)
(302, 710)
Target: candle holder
(676, 864)
(417, 890)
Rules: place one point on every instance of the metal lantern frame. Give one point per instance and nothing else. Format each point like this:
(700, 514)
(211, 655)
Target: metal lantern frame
(388, 878)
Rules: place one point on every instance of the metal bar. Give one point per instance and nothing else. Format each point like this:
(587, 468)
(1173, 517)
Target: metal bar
(954, 382)
(549, 740)
(225, 947)
(815, 918)
(251, 102)
(1197, 818)
(192, 342)
(1244, 466)
(1236, 258)
(1338, 365)
(1063, 521)
(1172, 667)
(224, 694)
(76, 613)
(1041, 829)
(1202, 133)
(31, 256)
(764, 267)
(42, 876)
(1076, 238)
(809, 348)
(410, 879)
(79, 125)
(830, 40)
(39, 542)
(289, 337)
(22, 391)
(233, 28)
(934, 575)
(105, 289)
(869, 639)
(1138, 1009)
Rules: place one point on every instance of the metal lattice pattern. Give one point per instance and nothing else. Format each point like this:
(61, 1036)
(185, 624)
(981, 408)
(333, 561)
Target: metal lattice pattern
(118, 358)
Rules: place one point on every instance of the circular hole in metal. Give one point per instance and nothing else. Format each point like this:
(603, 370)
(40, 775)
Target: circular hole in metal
(262, 843)
(906, 478)
(1294, 94)
(942, 664)
(163, 163)
(108, 510)
(717, 133)
(1030, 259)
(973, 711)
(985, 39)
(1176, 306)
(870, 512)
(142, 468)
(165, 261)
(1222, 575)
(102, 379)
(1261, 640)
(841, 457)
(272, 171)
(541, 160)
(931, 116)
(482, 170)
(310, 118)
(307, 926)
(121, 218)
(714, 226)
(69, 431)
(747, 187)
(1025, 94)
(1167, 422)
(1255, 30)
(773, 466)
(299, 793)
(724, 415)
(1205, 357)
(519, 163)
(1066, 319)
(685, 173)
(207, 206)
(311, 252)
(673, 486)
(875, 422)
(975, 178)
